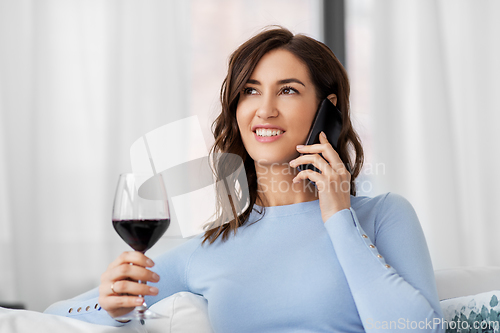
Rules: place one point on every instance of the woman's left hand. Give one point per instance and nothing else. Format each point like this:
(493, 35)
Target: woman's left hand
(334, 181)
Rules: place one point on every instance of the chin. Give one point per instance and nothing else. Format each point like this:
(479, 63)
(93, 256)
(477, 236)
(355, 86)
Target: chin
(271, 158)
(277, 153)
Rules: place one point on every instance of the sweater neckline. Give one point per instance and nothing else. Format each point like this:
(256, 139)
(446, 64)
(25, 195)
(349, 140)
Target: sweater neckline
(287, 210)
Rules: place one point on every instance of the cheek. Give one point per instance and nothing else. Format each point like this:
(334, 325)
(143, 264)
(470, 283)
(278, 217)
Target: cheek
(239, 121)
(303, 123)
(243, 118)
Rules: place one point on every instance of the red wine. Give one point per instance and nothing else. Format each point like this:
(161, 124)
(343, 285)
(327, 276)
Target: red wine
(141, 235)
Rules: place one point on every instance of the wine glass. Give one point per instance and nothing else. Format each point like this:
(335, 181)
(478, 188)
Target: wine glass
(140, 216)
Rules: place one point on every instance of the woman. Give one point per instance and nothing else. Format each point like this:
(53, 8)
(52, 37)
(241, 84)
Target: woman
(300, 257)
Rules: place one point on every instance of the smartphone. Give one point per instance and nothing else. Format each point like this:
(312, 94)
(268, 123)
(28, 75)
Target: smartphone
(329, 120)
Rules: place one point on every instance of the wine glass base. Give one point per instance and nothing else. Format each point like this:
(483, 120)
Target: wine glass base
(140, 315)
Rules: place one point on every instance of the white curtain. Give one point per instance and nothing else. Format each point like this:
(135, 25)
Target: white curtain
(80, 80)
(436, 115)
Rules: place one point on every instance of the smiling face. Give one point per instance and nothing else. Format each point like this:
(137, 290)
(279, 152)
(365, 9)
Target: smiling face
(276, 108)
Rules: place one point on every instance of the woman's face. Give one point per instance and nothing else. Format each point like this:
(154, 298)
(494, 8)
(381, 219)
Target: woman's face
(276, 108)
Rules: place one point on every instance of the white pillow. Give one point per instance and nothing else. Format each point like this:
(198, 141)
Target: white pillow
(185, 312)
(469, 313)
(22, 321)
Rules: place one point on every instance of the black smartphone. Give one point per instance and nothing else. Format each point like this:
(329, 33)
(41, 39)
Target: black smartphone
(329, 120)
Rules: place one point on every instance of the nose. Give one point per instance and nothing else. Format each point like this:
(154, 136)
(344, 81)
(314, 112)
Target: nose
(267, 108)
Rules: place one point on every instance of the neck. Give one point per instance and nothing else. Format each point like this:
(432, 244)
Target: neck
(275, 187)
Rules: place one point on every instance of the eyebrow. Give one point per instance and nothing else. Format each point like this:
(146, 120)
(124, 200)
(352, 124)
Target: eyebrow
(279, 82)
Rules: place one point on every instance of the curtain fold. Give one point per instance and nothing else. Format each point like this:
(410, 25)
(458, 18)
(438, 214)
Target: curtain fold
(435, 77)
(80, 81)
(7, 277)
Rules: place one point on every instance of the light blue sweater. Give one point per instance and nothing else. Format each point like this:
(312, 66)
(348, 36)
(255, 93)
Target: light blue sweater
(365, 269)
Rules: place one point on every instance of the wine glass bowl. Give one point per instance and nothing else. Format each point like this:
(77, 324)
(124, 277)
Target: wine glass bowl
(141, 235)
(140, 220)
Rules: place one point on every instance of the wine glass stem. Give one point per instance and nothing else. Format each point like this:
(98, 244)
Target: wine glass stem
(143, 306)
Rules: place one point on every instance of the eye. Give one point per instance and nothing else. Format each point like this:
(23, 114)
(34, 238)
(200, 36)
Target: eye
(288, 91)
(249, 91)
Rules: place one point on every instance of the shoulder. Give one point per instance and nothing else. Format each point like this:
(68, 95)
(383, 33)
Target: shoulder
(384, 203)
(395, 206)
(386, 210)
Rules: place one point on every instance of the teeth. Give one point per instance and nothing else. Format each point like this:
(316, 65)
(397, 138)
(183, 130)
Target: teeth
(267, 132)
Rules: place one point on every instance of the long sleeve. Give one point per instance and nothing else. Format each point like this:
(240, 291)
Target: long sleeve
(83, 307)
(390, 277)
(171, 267)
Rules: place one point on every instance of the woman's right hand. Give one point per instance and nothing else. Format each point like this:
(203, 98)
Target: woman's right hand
(122, 276)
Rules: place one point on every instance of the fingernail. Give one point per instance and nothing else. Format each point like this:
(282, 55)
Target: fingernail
(299, 146)
(139, 300)
(156, 277)
(323, 134)
(150, 263)
(153, 290)
(291, 162)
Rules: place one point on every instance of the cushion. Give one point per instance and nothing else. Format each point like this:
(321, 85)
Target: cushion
(472, 313)
(185, 312)
(22, 321)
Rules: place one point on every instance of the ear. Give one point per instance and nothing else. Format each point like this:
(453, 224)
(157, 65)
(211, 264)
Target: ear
(333, 99)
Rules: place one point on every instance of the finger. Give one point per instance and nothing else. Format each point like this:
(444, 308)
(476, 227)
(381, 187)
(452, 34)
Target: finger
(335, 182)
(314, 159)
(316, 177)
(127, 287)
(115, 302)
(326, 149)
(332, 156)
(126, 271)
(133, 257)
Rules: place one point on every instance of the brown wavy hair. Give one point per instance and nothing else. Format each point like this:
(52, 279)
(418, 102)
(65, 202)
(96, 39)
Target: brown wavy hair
(328, 76)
